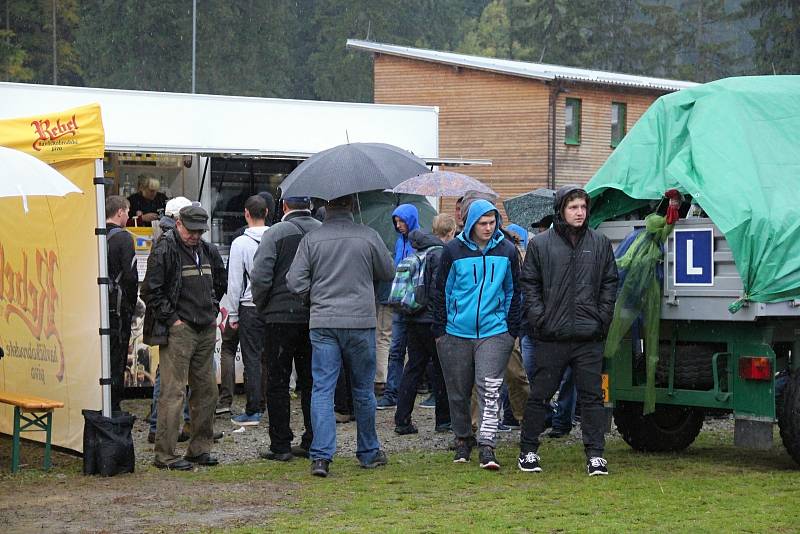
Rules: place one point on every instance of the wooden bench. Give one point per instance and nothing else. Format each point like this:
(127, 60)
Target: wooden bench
(37, 414)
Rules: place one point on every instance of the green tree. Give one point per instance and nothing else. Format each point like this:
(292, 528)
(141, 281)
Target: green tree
(26, 51)
(777, 38)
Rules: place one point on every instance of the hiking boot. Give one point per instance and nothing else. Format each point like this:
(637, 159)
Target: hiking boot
(596, 465)
(529, 462)
(247, 420)
(378, 460)
(404, 430)
(202, 459)
(487, 458)
(299, 451)
(276, 456)
(463, 451)
(430, 402)
(178, 465)
(319, 468)
(342, 417)
(386, 404)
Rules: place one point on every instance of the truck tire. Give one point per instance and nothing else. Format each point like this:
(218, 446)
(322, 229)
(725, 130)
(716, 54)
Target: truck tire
(789, 416)
(692, 365)
(669, 428)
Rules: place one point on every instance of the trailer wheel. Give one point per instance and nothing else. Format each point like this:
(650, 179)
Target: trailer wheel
(669, 428)
(789, 416)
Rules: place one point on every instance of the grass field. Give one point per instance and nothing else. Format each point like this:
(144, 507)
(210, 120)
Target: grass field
(711, 487)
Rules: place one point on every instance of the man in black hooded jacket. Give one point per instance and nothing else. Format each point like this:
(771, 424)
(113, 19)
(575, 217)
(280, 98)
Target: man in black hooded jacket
(569, 279)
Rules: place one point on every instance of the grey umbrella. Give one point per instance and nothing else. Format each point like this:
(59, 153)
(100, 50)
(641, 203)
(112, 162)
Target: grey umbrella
(351, 168)
(531, 207)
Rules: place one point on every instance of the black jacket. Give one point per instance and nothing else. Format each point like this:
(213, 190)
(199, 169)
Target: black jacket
(121, 259)
(162, 285)
(273, 258)
(421, 241)
(569, 290)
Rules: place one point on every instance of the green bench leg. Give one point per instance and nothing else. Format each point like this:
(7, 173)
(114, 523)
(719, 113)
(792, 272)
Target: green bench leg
(47, 443)
(15, 446)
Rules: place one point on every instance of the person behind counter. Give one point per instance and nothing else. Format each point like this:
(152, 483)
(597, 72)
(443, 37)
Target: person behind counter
(146, 202)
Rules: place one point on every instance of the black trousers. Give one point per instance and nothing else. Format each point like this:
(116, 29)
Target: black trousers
(118, 340)
(421, 352)
(343, 395)
(287, 342)
(251, 337)
(552, 358)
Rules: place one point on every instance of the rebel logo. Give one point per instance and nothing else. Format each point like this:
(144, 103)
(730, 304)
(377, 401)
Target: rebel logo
(48, 132)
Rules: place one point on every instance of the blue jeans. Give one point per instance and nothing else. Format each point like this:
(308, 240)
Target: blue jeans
(561, 417)
(154, 405)
(356, 346)
(397, 357)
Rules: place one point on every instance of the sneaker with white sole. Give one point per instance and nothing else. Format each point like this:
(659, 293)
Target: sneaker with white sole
(529, 462)
(596, 465)
(487, 458)
(463, 451)
(246, 420)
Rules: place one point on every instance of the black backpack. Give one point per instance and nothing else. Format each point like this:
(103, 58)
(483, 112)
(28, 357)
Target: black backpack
(114, 289)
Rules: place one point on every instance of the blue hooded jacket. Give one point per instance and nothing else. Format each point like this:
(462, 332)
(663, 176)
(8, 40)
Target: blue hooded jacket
(408, 214)
(477, 291)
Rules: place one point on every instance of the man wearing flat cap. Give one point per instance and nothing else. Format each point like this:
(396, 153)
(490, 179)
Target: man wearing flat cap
(184, 282)
(286, 316)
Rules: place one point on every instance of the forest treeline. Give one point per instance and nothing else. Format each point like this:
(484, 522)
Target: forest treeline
(296, 48)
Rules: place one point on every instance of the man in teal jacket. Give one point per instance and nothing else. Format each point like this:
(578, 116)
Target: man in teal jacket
(476, 318)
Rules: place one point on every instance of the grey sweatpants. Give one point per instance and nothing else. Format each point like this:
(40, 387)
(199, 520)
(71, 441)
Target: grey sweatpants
(482, 363)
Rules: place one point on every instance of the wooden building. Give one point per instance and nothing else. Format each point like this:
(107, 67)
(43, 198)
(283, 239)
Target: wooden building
(540, 125)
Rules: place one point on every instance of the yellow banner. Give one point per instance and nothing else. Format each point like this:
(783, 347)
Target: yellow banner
(72, 134)
(49, 300)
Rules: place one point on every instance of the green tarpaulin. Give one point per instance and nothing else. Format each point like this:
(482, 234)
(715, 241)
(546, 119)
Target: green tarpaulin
(734, 145)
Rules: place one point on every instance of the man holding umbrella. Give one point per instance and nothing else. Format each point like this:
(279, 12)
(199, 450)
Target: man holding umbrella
(336, 267)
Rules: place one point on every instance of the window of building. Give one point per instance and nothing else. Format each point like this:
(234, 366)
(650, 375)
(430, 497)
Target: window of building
(572, 121)
(618, 114)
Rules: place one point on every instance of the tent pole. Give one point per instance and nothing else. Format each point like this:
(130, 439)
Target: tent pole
(102, 254)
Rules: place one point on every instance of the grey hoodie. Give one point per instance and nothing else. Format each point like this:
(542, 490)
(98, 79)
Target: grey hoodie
(240, 265)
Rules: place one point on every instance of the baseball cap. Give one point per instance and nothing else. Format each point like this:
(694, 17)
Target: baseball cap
(193, 218)
(175, 205)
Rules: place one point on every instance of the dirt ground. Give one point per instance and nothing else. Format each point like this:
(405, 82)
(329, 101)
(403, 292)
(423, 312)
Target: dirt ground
(149, 499)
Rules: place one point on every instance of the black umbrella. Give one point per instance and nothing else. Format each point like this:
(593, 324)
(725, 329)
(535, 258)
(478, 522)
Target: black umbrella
(351, 168)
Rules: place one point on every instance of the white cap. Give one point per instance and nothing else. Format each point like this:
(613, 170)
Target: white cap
(174, 206)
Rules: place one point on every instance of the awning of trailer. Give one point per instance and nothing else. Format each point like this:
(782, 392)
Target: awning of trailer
(733, 145)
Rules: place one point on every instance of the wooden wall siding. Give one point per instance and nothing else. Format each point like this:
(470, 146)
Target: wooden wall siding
(576, 164)
(505, 119)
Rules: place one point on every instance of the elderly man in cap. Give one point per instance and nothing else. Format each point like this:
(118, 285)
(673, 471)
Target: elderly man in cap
(286, 316)
(185, 280)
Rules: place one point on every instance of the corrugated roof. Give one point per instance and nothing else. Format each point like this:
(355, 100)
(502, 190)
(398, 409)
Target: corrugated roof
(539, 71)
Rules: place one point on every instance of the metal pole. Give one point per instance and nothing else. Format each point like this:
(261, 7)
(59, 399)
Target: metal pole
(194, 42)
(55, 48)
(102, 252)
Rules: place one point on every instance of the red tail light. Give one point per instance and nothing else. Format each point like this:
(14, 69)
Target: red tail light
(755, 368)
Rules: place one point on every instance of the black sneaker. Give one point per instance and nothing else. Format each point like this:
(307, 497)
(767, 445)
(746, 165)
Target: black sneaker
(379, 460)
(319, 468)
(557, 434)
(404, 430)
(596, 465)
(276, 456)
(529, 462)
(463, 451)
(488, 459)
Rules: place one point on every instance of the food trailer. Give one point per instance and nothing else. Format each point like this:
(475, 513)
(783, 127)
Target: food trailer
(219, 149)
